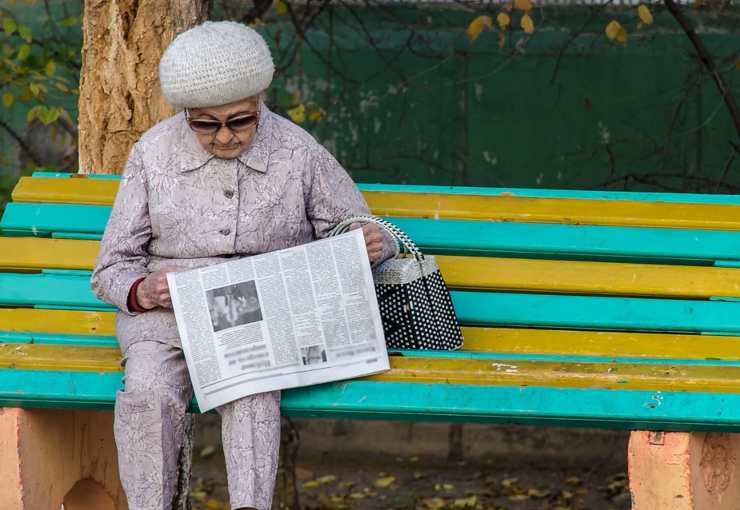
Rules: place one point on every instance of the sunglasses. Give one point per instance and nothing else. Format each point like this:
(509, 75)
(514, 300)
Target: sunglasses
(210, 127)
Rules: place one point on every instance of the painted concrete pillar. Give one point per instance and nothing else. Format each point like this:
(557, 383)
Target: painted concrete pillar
(49, 457)
(684, 471)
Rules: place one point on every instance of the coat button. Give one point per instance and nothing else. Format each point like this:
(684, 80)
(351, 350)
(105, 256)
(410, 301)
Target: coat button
(225, 231)
(228, 193)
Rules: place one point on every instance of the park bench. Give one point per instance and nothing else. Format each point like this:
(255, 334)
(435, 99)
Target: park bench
(580, 308)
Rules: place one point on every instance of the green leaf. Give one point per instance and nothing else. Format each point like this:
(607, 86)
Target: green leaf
(24, 51)
(48, 115)
(9, 25)
(51, 68)
(69, 22)
(8, 99)
(25, 32)
(34, 88)
(34, 112)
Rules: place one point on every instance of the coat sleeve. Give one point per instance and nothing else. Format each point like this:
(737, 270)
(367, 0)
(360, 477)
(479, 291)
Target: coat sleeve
(123, 256)
(332, 197)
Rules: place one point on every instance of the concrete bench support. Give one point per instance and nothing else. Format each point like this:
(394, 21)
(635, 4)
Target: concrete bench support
(49, 457)
(684, 471)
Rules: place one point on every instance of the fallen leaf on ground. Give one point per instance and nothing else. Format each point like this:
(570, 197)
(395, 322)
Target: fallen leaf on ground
(385, 481)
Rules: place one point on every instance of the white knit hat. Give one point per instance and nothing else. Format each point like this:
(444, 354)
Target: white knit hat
(213, 64)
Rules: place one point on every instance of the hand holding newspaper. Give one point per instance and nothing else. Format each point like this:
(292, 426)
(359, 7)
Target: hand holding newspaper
(288, 318)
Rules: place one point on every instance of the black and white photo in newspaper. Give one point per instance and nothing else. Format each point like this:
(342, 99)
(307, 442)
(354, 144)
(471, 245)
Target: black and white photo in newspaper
(289, 318)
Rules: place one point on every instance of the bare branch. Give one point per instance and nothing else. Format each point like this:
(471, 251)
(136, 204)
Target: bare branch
(706, 59)
(22, 144)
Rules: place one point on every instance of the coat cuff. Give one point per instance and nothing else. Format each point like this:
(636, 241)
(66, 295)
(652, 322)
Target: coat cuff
(133, 301)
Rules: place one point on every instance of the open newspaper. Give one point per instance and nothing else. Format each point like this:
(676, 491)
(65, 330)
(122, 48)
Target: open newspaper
(288, 318)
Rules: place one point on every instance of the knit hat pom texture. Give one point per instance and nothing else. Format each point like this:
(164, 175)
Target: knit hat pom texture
(213, 64)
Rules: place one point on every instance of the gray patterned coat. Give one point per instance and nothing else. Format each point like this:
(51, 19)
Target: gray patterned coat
(178, 205)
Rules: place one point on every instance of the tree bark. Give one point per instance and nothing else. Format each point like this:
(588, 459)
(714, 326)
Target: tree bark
(120, 96)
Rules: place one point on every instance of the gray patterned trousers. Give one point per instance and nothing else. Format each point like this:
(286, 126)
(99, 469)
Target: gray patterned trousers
(152, 427)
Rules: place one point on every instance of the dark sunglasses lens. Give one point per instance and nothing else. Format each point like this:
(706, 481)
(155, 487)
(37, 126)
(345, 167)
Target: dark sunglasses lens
(203, 126)
(241, 123)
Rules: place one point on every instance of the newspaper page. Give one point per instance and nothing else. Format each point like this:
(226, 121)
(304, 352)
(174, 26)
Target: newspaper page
(288, 318)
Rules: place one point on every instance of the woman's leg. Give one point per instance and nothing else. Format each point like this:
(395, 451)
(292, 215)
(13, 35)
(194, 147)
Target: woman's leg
(250, 431)
(151, 423)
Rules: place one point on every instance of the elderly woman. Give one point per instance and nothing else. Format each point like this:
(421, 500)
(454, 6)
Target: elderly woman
(224, 178)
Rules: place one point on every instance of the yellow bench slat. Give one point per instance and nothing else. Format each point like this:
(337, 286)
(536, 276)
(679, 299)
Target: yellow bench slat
(503, 274)
(601, 343)
(44, 253)
(500, 340)
(66, 322)
(479, 372)
(433, 205)
(65, 191)
(556, 210)
(582, 277)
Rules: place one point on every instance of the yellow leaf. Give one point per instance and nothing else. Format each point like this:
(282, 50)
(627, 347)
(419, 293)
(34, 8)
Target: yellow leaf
(508, 482)
(503, 20)
(523, 5)
(326, 479)
(25, 33)
(645, 15)
(518, 497)
(616, 32)
(311, 484)
(9, 26)
(469, 502)
(24, 51)
(385, 482)
(433, 503)
(317, 114)
(536, 493)
(51, 68)
(298, 114)
(280, 7)
(8, 99)
(477, 25)
(527, 24)
(357, 495)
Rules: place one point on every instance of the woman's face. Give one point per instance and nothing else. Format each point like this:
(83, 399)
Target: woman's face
(230, 140)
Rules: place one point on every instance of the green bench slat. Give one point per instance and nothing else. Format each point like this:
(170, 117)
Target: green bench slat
(511, 309)
(688, 198)
(640, 410)
(595, 312)
(44, 218)
(464, 237)
(56, 338)
(47, 290)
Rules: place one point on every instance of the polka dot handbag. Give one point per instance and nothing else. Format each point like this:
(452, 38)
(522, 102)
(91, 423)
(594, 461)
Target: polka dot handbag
(414, 301)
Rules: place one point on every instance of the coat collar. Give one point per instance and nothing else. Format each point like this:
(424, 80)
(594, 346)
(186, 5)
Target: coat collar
(256, 157)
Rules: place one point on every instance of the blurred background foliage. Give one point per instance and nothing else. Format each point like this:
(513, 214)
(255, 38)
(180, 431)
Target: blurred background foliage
(542, 94)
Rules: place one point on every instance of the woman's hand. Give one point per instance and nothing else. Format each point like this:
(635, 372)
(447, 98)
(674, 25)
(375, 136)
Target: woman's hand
(154, 291)
(373, 240)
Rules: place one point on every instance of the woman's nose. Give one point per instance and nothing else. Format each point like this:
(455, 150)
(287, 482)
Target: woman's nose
(224, 135)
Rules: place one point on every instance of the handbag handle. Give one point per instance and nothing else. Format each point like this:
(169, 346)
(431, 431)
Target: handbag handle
(401, 237)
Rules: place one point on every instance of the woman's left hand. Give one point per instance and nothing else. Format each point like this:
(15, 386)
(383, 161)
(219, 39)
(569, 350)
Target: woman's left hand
(373, 240)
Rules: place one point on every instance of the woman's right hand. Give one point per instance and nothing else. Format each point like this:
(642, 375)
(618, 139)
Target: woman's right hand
(153, 291)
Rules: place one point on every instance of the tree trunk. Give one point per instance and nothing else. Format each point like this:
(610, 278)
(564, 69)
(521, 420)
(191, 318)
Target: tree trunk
(119, 85)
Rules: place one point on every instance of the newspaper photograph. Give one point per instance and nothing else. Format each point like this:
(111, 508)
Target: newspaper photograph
(294, 317)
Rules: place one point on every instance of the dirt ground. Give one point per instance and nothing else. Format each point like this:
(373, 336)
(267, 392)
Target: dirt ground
(339, 479)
